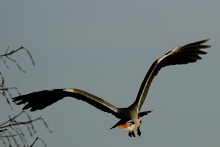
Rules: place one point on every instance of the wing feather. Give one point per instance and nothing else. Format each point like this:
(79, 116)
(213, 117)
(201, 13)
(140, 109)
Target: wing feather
(181, 55)
(41, 99)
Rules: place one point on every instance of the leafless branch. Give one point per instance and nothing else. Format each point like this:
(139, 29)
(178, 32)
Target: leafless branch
(11, 129)
(6, 91)
(37, 138)
(8, 56)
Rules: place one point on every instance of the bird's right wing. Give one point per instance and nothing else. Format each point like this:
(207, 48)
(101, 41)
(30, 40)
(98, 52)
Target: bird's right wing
(41, 99)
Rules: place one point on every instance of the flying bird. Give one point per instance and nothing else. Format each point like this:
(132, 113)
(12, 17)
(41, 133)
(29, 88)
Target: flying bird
(130, 117)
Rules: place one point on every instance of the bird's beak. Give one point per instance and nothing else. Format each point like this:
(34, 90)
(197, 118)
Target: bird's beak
(124, 126)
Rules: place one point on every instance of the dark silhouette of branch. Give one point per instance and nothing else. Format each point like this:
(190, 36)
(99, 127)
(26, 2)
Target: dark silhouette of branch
(6, 91)
(8, 56)
(37, 138)
(13, 131)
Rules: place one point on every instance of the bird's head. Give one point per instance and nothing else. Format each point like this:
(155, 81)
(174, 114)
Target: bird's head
(128, 126)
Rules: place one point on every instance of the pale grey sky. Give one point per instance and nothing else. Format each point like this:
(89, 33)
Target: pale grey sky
(106, 47)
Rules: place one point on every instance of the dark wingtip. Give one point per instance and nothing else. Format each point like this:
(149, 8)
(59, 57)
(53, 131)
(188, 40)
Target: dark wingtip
(203, 41)
(207, 39)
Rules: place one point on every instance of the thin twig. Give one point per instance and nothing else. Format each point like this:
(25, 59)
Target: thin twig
(8, 54)
(37, 138)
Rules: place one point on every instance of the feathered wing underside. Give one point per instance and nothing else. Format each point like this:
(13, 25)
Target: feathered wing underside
(41, 99)
(181, 55)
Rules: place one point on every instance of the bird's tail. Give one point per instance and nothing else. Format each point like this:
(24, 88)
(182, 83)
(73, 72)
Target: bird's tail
(141, 114)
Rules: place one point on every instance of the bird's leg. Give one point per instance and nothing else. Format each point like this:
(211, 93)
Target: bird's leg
(131, 134)
(138, 131)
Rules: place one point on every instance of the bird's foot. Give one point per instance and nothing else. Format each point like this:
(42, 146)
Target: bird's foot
(138, 131)
(131, 134)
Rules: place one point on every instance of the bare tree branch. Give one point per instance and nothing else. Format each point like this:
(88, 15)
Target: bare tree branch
(8, 55)
(6, 91)
(13, 131)
(37, 138)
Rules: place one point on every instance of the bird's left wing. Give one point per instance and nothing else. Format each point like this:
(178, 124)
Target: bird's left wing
(181, 55)
(41, 99)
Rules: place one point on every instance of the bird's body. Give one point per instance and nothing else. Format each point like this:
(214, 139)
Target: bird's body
(130, 117)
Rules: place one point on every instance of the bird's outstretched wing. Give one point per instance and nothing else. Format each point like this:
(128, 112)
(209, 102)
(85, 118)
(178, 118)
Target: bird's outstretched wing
(41, 99)
(181, 55)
